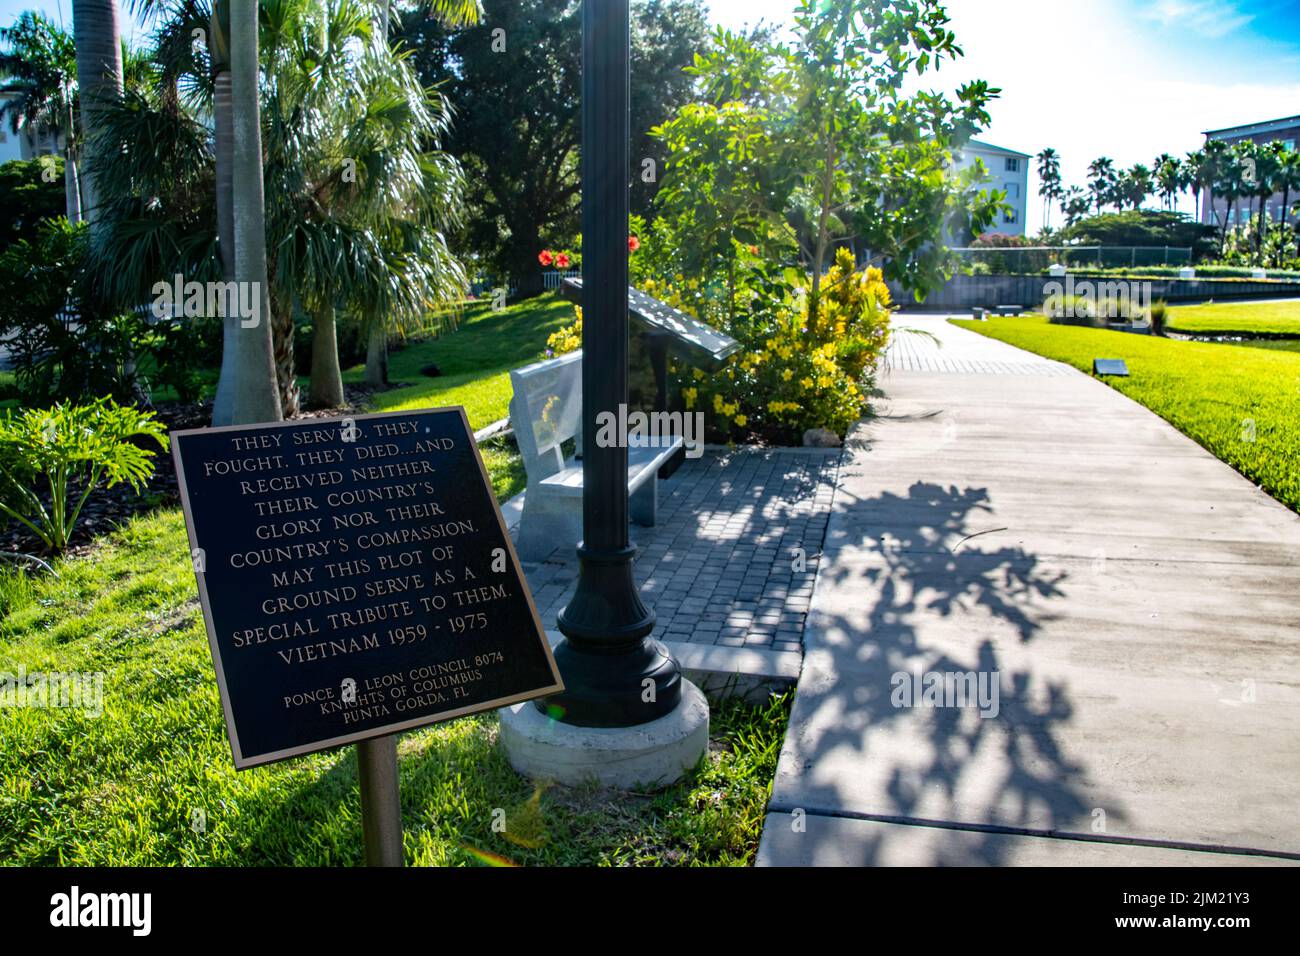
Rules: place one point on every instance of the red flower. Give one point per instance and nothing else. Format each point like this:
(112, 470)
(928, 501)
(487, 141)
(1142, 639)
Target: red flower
(562, 260)
(633, 243)
(753, 250)
(546, 258)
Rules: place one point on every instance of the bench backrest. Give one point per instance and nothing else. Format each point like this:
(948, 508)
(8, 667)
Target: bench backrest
(546, 411)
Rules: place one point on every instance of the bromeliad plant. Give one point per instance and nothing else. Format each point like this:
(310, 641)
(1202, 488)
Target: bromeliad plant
(75, 449)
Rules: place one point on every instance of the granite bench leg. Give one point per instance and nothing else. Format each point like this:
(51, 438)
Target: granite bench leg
(548, 522)
(643, 505)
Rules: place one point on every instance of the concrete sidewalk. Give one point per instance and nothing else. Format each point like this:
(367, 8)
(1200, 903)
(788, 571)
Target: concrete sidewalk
(1138, 600)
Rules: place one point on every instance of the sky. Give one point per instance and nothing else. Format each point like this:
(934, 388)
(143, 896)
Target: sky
(1128, 79)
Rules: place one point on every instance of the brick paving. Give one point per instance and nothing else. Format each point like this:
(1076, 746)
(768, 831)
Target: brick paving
(915, 351)
(721, 566)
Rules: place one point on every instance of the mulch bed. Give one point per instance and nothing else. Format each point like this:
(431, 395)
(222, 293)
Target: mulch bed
(110, 507)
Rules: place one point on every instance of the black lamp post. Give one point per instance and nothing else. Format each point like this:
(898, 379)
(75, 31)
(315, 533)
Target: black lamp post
(614, 675)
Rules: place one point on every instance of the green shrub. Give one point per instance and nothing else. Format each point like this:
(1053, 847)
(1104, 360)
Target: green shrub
(1159, 316)
(73, 449)
(31, 191)
(794, 375)
(1142, 227)
(65, 344)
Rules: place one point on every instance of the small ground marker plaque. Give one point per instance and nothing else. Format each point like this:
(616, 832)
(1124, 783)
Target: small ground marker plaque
(357, 580)
(1115, 367)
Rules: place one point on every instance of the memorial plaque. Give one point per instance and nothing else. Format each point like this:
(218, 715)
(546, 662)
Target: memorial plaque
(356, 578)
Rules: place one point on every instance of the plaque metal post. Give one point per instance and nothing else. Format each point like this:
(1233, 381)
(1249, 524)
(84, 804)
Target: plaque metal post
(381, 805)
(614, 674)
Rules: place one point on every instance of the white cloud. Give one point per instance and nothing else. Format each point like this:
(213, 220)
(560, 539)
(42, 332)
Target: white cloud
(1211, 19)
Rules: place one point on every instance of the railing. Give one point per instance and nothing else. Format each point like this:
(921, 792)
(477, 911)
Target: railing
(554, 279)
(1028, 260)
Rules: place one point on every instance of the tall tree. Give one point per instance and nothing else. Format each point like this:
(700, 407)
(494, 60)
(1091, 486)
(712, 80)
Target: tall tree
(1135, 186)
(257, 397)
(1231, 173)
(818, 139)
(354, 175)
(223, 405)
(514, 79)
(1168, 172)
(1288, 180)
(1075, 204)
(1267, 160)
(98, 39)
(1102, 180)
(39, 72)
(1049, 182)
(666, 36)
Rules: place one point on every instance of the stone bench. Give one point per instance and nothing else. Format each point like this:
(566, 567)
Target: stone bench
(545, 412)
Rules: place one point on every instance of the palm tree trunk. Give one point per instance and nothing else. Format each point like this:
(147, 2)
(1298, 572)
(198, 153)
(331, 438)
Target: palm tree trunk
(282, 337)
(326, 377)
(256, 396)
(1286, 225)
(1259, 233)
(223, 407)
(98, 38)
(71, 186)
(71, 181)
(377, 353)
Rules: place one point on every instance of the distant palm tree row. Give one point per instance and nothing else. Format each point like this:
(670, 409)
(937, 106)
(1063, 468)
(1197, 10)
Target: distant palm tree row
(1231, 174)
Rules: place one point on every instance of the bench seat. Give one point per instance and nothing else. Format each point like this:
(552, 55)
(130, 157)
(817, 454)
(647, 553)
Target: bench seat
(643, 462)
(545, 412)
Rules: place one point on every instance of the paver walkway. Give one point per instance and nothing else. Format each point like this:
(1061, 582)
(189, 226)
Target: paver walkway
(1138, 600)
(720, 566)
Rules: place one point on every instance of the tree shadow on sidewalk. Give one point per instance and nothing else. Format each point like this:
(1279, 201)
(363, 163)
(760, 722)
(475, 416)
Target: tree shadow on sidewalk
(936, 592)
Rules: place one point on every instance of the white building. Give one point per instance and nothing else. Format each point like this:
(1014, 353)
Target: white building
(1008, 171)
(23, 144)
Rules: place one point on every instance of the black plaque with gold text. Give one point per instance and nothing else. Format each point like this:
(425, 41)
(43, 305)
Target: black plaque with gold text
(357, 579)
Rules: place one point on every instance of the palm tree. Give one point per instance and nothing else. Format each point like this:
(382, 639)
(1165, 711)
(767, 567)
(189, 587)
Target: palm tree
(1231, 182)
(359, 193)
(40, 75)
(1215, 159)
(1288, 180)
(1049, 187)
(1267, 162)
(451, 13)
(1102, 180)
(1134, 186)
(99, 78)
(223, 404)
(256, 398)
(1169, 179)
(1075, 204)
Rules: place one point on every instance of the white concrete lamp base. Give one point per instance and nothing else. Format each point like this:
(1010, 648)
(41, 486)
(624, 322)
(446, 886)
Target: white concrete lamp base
(648, 755)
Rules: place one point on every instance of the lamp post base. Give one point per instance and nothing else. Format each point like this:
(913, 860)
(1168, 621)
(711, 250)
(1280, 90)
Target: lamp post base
(653, 754)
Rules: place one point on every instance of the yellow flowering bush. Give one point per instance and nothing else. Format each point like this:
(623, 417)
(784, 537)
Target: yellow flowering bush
(568, 339)
(791, 374)
(792, 377)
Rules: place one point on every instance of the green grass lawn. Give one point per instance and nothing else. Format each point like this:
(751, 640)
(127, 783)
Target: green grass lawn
(1254, 318)
(1208, 391)
(123, 787)
(475, 359)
